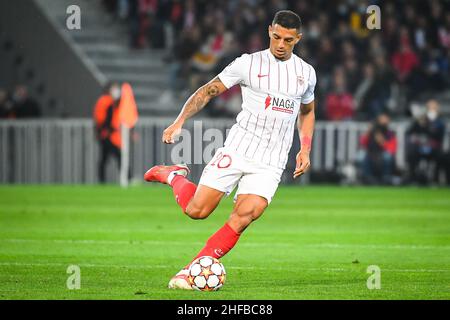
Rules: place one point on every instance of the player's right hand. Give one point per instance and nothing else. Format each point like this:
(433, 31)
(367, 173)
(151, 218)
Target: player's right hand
(171, 132)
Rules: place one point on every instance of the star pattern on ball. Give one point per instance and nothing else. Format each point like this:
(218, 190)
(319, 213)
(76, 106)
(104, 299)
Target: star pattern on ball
(206, 274)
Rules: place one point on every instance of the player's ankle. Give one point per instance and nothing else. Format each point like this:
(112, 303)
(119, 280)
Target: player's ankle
(171, 176)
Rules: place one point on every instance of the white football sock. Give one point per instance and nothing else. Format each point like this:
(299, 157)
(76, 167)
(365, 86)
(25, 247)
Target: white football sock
(171, 176)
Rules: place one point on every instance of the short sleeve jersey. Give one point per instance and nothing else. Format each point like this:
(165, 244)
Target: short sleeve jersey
(272, 92)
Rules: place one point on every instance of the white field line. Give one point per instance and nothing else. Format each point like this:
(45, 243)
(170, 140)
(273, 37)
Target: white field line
(149, 267)
(243, 244)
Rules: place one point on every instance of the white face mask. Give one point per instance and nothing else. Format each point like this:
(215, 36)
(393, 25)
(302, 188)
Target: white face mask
(432, 115)
(115, 93)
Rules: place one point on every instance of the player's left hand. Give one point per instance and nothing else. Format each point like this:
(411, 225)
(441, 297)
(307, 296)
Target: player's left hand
(302, 164)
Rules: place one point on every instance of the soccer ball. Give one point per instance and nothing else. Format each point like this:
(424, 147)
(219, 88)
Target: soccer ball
(206, 274)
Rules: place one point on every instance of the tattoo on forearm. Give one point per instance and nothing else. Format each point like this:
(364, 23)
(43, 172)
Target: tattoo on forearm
(213, 90)
(194, 105)
(201, 98)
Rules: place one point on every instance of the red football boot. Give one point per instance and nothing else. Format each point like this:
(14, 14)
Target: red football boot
(163, 174)
(180, 281)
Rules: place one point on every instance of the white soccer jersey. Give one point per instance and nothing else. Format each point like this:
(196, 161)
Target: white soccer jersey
(272, 91)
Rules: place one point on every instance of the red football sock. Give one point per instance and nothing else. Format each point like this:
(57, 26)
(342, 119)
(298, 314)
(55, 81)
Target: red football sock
(220, 243)
(183, 190)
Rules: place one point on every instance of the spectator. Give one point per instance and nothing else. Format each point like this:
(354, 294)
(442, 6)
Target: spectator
(145, 27)
(216, 46)
(424, 143)
(405, 59)
(23, 105)
(378, 157)
(205, 61)
(339, 104)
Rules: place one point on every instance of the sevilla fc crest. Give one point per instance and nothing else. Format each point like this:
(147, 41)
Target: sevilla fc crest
(300, 80)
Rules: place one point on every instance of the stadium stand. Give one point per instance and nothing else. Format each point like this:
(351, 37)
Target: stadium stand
(104, 41)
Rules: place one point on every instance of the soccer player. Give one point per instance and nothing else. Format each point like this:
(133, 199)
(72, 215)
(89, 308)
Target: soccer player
(277, 89)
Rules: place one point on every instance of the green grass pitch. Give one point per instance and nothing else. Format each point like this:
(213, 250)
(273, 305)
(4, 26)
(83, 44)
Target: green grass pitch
(311, 243)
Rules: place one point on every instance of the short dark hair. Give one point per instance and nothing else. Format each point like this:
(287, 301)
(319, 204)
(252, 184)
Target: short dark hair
(287, 19)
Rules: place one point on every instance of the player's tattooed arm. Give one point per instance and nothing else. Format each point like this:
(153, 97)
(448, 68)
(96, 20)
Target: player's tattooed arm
(306, 120)
(193, 105)
(201, 97)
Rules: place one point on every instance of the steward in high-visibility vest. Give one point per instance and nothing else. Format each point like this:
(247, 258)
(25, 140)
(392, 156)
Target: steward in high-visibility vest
(114, 108)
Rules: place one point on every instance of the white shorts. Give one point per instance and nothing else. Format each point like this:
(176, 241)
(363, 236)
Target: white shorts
(228, 169)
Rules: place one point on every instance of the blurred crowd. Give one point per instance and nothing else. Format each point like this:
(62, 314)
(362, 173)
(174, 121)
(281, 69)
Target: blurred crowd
(362, 73)
(426, 158)
(18, 104)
